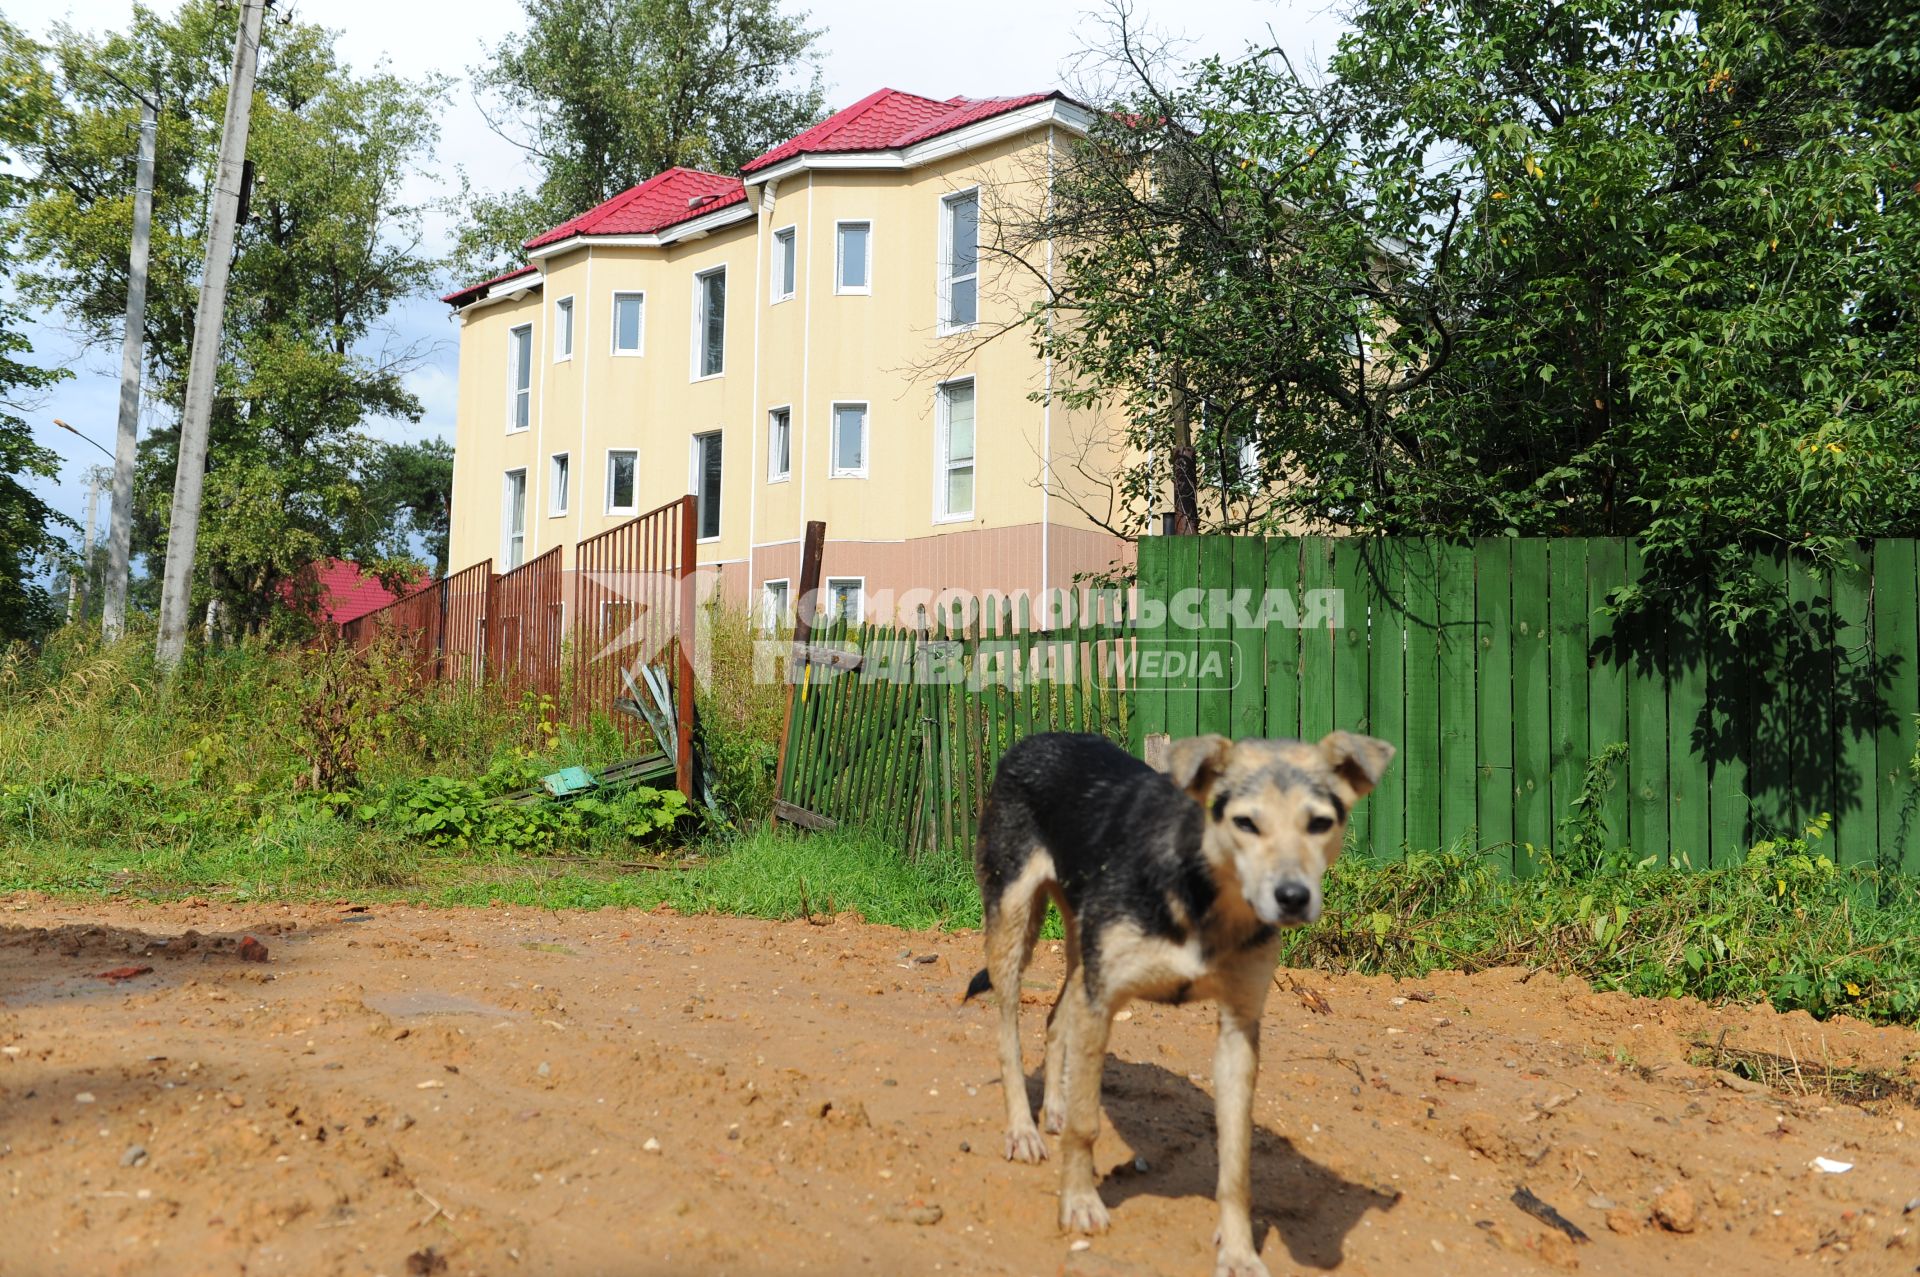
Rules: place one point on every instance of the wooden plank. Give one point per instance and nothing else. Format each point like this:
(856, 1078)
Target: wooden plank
(1567, 674)
(1316, 640)
(1607, 677)
(834, 658)
(1689, 784)
(1213, 681)
(1454, 637)
(1896, 645)
(1644, 639)
(1493, 706)
(1421, 596)
(1856, 704)
(1532, 744)
(1247, 709)
(1283, 641)
(1180, 640)
(1150, 695)
(1386, 691)
(795, 815)
(1770, 718)
(1810, 663)
(1352, 668)
(813, 544)
(1728, 743)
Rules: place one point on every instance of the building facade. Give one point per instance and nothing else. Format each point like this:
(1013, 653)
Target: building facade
(819, 337)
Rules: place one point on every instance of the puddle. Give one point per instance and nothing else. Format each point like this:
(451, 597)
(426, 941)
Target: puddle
(427, 1002)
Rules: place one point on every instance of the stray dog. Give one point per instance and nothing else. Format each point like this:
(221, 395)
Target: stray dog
(1170, 887)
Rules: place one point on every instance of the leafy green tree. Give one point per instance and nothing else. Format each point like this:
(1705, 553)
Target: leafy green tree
(409, 491)
(603, 94)
(329, 247)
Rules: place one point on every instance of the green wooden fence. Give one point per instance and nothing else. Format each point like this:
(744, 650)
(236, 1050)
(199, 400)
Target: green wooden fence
(1495, 669)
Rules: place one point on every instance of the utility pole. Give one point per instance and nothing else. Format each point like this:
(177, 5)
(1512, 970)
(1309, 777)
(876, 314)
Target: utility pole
(113, 617)
(183, 531)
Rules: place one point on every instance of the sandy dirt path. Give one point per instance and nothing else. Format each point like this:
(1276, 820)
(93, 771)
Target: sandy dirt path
(501, 1091)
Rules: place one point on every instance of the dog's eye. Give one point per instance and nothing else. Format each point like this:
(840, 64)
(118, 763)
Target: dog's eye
(1245, 824)
(1319, 824)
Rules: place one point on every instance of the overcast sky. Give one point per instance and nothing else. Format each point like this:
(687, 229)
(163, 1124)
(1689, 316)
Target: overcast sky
(1001, 46)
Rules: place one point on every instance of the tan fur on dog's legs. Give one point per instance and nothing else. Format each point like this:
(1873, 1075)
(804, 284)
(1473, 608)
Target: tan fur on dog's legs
(1236, 1068)
(1081, 1210)
(1010, 938)
(1053, 1108)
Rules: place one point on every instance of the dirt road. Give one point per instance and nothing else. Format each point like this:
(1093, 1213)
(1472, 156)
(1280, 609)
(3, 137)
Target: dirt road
(507, 1091)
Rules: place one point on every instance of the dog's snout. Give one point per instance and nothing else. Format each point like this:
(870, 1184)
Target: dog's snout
(1293, 897)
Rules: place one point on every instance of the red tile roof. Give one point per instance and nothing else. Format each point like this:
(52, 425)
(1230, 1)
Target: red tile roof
(888, 120)
(461, 297)
(346, 592)
(667, 199)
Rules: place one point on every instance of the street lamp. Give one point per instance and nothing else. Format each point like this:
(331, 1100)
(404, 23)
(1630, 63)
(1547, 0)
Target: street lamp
(70, 430)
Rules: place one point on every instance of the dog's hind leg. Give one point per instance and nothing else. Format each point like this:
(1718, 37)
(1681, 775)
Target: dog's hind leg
(1053, 1107)
(1236, 1065)
(1086, 1023)
(1011, 932)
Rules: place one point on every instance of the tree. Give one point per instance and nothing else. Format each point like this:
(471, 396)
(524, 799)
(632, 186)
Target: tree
(329, 247)
(30, 537)
(603, 94)
(409, 492)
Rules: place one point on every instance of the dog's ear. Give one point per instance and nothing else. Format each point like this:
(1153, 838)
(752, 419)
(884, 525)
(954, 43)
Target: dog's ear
(1196, 762)
(1358, 760)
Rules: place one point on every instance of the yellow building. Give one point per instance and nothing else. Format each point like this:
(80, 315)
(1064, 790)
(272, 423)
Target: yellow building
(806, 340)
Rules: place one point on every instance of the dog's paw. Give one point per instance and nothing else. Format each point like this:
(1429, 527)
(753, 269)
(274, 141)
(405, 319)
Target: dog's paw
(1026, 1146)
(1082, 1211)
(1245, 1264)
(1053, 1117)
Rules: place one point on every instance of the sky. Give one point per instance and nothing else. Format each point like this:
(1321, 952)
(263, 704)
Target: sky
(1001, 46)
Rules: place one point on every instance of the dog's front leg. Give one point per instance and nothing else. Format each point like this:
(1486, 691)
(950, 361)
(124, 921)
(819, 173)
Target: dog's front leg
(1236, 1065)
(1087, 1021)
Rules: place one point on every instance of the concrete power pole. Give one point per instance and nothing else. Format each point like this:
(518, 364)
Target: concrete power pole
(183, 531)
(113, 617)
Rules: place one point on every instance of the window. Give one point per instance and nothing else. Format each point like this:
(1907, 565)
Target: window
(786, 263)
(953, 451)
(629, 323)
(849, 440)
(706, 485)
(960, 267)
(559, 485)
(621, 496)
(513, 524)
(852, 256)
(519, 378)
(563, 329)
(846, 599)
(773, 604)
(710, 323)
(779, 445)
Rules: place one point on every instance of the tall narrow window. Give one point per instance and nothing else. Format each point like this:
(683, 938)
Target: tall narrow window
(779, 444)
(710, 322)
(519, 378)
(559, 484)
(846, 599)
(853, 264)
(850, 440)
(563, 328)
(513, 523)
(773, 604)
(953, 481)
(706, 485)
(621, 495)
(629, 323)
(960, 274)
(786, 263)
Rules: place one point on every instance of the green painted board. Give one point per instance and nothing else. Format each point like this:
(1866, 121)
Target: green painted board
(1423, 754)
(1149, 696)
(1532, 746)
(1248, 708)
(1283, 641)
(1181, 642)
(1454, 636)
(1567, 675)
(1643, 640)
(1386, 687)
(1896, 645)
(1810, 655)
(1856, 815)
(1770, 719)
(1689, 792)
(1316, 638)
(1351, 672)
(1214, 678)
(1727, 742)
(1493, 701)
(1607, 677)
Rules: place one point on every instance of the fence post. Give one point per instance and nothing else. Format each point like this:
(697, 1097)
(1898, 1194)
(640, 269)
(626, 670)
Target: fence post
(811, 549)
(683, 693)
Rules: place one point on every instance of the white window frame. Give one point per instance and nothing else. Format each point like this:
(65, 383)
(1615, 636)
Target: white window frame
(859, 582)
(834, 470)
(944, 285)
(514, 392)
(942, 461)
(557, 508)
(613, 327)
(506, 517)
(791, 234)
(694, 477)
(841, 289)
(628, 509)
(769, 619)
(563, 305)
(779, 476)
(699, 333)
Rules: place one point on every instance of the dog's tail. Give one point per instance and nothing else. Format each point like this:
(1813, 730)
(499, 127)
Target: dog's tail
(980, 983)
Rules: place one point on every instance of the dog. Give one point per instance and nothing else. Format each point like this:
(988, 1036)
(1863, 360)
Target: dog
(1171, 886)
